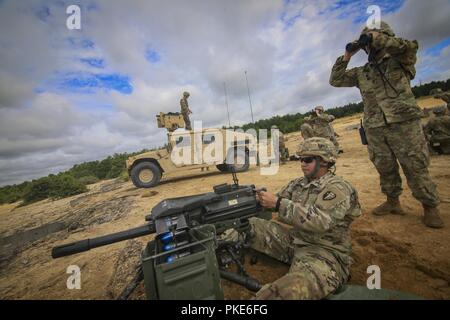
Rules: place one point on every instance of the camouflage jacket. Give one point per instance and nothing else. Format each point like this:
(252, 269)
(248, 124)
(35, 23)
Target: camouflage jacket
(321, 124)
(281, 139)
(184, 106)
(444, 96)
(321, 212)
(438, 126)
(383, 104)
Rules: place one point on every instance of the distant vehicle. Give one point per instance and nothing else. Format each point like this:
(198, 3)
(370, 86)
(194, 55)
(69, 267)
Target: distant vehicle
(147, 169)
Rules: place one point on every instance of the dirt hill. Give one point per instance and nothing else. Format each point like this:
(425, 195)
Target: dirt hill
(412, 258)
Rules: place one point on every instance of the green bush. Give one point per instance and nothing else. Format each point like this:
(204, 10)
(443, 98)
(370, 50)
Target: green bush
(88, 179)
(124, 176)
(10, 194)
(53, 186)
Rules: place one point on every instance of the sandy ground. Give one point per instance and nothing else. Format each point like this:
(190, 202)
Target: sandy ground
(412, 258)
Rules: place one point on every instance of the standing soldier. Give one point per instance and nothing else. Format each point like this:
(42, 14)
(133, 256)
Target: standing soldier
(185, 111)
(281, 145)
(320, 123)
(319, 207)
(439, 94)
(391, 117)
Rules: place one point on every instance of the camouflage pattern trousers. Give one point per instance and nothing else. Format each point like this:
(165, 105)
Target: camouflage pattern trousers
(314, 273)
(403, 142)
(187, 121)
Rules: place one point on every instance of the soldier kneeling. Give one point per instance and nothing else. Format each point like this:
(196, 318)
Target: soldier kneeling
(437, 132)
(318, 209)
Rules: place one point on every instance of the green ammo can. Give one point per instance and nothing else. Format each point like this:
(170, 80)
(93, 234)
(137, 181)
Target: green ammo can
(187, 272)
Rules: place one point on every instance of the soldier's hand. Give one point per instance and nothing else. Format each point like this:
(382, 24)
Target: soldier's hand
(374, 34)
(348, 55)
(266, 199)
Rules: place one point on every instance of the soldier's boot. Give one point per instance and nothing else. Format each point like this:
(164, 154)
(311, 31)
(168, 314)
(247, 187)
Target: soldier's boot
(392, 205)
(431, 217)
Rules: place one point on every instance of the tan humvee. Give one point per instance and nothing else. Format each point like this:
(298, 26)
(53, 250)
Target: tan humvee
(146, 169)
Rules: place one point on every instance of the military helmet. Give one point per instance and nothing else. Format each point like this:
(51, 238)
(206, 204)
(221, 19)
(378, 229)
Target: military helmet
(274, 127)
(319, 108)
(186, 94)
(320, 147)
(384, 28)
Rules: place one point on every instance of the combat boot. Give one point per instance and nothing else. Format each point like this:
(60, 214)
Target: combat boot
(392, 205)
(431, 217)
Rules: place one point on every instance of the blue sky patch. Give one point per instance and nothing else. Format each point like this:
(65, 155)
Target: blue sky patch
(78, 43)
(357, 10)
(87, 44)
(437, 48)
(89, 82)
(152, 56)
(289, 22)
(94, 62)
(42, 13)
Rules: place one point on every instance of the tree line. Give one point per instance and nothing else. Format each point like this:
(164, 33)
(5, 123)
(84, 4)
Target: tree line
(67, 183)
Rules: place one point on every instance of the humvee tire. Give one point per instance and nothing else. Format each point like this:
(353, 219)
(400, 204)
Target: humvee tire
(145, 175)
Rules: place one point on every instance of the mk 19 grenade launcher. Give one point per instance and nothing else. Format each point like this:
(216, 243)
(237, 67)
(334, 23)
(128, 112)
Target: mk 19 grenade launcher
(186, 258)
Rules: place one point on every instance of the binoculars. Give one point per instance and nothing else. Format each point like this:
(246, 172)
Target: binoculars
(363, 41)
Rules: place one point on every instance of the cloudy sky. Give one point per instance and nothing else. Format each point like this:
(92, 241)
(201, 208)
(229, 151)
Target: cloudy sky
(68, 96)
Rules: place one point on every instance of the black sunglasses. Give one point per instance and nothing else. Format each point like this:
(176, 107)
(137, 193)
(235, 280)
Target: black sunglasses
(307, 159)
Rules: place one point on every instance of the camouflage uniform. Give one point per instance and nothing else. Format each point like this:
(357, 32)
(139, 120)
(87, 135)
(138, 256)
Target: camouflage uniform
(185, 111)
(391, 115)
(321, 127)
(307, 131)
(316, 243)
(281, 145)
(444, 95)
(282, 148)
(437, 130)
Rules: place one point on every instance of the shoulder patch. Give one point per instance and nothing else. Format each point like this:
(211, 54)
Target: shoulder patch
(328, 195)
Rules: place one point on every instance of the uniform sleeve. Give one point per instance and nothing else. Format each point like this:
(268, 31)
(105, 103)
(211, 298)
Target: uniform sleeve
(428, 127)
(331, 206)
(341, 77)
(403, 50)
(325, 117)
(286, 192)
